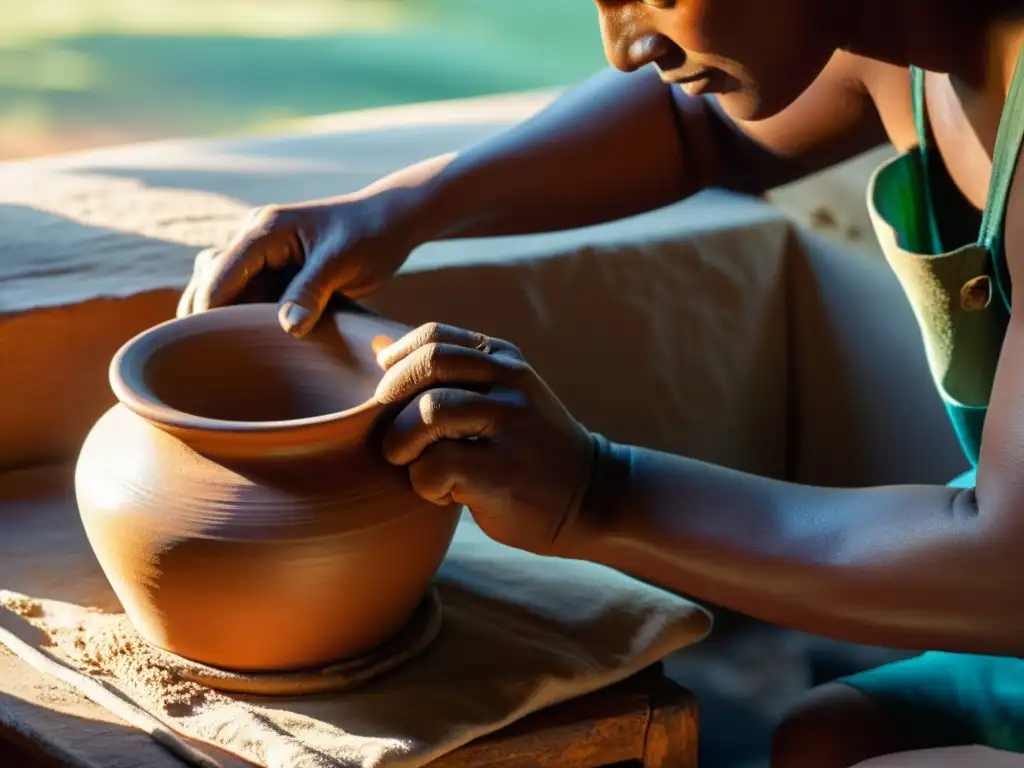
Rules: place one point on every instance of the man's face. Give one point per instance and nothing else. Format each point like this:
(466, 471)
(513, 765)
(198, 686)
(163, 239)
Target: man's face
(758, 55)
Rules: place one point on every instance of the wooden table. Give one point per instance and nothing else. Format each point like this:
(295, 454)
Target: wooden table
(647, 720)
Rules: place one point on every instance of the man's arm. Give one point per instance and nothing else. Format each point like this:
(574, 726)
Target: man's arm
(622, 144)
(902, 566)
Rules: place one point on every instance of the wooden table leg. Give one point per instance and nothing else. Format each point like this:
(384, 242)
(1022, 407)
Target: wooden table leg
(672, 731)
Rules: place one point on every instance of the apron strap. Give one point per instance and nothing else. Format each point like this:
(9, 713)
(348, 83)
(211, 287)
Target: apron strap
(1004, 165)
(924, 144)
(920, 113)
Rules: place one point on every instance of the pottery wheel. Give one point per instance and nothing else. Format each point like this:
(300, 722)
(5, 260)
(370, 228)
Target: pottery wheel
(418, 633)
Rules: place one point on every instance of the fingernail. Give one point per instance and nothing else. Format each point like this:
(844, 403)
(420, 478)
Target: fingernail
(295, 318)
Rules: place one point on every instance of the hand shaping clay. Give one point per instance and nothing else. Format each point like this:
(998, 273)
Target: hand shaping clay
(237, 501)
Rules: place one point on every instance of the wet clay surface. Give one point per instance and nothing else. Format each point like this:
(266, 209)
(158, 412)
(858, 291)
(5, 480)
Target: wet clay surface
(237, 503)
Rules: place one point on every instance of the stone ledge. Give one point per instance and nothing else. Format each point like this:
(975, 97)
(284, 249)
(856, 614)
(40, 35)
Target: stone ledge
(54, 371)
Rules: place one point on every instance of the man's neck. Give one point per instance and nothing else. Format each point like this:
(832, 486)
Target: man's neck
(936, 35)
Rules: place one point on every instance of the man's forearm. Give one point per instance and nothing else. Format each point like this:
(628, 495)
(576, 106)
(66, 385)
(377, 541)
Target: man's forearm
(612, 147)
(902, 566)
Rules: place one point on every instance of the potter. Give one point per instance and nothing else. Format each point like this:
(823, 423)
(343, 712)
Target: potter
(234, 501)
(745, 95)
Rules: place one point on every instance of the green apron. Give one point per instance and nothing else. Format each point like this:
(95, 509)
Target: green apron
(955, 278)
(952, 266)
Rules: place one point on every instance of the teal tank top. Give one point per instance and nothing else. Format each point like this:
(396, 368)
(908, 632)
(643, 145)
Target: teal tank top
(950, 261)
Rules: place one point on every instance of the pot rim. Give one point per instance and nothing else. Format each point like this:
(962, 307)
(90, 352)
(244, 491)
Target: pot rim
(128, 383)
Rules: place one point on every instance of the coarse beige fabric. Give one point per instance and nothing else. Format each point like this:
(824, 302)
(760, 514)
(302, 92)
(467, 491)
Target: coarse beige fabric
(519, 633)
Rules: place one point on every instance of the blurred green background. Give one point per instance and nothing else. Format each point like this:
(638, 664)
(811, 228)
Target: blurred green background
(81, 73)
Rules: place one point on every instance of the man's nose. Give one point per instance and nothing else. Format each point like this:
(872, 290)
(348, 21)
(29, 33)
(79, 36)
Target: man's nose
(629, 44)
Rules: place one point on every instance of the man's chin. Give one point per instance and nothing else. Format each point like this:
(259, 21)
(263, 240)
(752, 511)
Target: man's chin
(748, 106)
(740, 105)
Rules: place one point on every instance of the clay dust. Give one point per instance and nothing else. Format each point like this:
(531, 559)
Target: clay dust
(106, 645)
(23, 606)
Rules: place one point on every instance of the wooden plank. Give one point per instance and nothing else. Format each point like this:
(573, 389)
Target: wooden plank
(583, 743)
(19, 751)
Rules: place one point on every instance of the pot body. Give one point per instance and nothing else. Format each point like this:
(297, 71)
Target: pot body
(286, 553)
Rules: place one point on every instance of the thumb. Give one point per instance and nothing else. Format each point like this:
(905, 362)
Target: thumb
(305, 299)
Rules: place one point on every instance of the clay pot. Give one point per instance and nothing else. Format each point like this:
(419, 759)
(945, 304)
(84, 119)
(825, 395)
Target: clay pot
(236, 498)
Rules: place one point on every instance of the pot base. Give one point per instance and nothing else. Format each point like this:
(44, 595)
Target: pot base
(410, 641)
